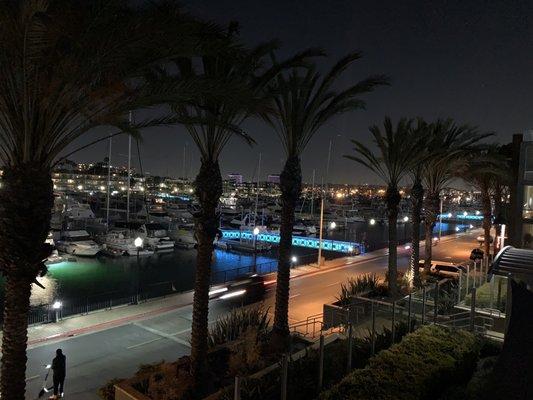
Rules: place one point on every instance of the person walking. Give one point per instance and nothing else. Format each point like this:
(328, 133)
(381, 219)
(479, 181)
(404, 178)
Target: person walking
(59, 367)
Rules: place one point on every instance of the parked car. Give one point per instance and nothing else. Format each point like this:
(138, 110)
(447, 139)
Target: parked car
(444, 269)
(476, 254)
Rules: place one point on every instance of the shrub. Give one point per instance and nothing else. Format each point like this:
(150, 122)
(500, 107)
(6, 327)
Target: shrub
(356, 286)
(303, 373)
(236, 323)
(107, 392)
(419, 367)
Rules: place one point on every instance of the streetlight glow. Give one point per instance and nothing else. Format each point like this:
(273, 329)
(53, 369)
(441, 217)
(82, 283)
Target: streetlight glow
(465, 214)
(332, 225)
(138, 242)
(256, 231)
(294, 259)
(372, 221)
(57, 305)
(405, 219)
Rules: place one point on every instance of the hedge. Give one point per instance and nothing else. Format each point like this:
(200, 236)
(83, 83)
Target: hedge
(418, 368)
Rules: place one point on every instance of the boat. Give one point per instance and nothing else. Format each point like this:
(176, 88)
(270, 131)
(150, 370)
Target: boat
(183, 236)
(78, 242)
(117, 241)
(156, 237)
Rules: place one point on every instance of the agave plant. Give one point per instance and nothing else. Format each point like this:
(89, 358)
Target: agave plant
(232, 326)
(355, 286)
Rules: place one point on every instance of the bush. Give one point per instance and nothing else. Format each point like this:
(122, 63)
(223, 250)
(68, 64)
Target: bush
(419, 367)
(356, 286)
(107, 392)
(303, 373)
(235, 324)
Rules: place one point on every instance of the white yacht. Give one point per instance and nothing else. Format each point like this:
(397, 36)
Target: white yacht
(157, 237)
(183, 236)
(78, 243)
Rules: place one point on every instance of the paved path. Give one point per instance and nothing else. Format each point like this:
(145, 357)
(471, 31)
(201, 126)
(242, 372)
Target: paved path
(113, 343)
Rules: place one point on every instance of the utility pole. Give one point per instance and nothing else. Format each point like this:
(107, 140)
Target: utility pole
(129, 175)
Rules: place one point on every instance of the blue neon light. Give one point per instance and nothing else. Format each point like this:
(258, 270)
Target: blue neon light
(462, 216)
(312, 243)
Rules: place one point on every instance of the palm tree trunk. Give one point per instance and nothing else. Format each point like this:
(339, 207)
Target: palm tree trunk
(291, 187)
(392, 198)
(208, 189)
(417, 197)
(26, 201)
(430, 216)
(487, 216)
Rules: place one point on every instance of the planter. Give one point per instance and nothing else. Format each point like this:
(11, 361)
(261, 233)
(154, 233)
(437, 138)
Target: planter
(124, 391)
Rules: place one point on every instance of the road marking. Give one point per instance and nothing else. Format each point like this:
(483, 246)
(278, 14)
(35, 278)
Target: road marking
(31, 378)
(333, 284)
(163, 334)
(294, 295)
(144, 343)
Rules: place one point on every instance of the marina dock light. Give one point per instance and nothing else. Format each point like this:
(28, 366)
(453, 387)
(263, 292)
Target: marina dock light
(405, 219)
(457, 229)
(138, 242)
(449, 215)
(294, 259)
(57, 305)
(407, 247)
(256, 231)
(465, 214)
(350, 249)
(332, 225)
(477, 212)
(372, 221)
(435, 239)
(471, 226)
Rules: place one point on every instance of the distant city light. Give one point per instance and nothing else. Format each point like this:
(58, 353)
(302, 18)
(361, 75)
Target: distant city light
(102, 188)
(256, 231)
(191, 190)
(449, 215)
(332, 225)
(405, 219)
(80, 187)
(465, 214)
(294, 259)
(477, 212)
(372, 221)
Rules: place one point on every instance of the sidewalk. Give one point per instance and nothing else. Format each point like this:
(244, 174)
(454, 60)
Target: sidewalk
(121, 315)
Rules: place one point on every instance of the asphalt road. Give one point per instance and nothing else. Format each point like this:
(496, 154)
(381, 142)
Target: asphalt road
(95, 358)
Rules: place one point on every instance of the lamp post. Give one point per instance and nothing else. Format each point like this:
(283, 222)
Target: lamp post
(138, 242)
(294, 259)
(256, 232)
(57, 308)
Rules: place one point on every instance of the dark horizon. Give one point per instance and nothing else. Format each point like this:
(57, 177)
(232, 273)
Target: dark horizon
(470, 62)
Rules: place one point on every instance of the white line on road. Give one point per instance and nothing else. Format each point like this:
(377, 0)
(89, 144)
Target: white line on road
(333, 284)
(163, 334)
(294, 295)
(144, 343)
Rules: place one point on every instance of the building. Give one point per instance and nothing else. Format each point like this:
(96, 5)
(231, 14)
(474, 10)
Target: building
(521, 196)
(274, 179)
(236, 179)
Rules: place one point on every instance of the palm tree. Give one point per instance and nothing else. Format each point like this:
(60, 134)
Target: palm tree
(454, 142)
(65, 68)
(486, 170)
(417, 197)
(397, 155)
(304, 101)
(249, 74)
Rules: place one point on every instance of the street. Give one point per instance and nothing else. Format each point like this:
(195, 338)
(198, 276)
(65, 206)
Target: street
(94, 358)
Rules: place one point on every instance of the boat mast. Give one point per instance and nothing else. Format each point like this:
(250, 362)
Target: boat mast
(108, 179)
(313, 196)
(129, 176)
(257, 188)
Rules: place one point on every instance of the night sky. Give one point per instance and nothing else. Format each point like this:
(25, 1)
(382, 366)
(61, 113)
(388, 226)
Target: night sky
(469, 60)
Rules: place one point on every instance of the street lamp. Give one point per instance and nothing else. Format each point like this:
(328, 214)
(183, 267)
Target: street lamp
(372, 221)
(294, 259)
(405, 219)
(57, 308)
(332, 225)
(138, 242)
(256, 232)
